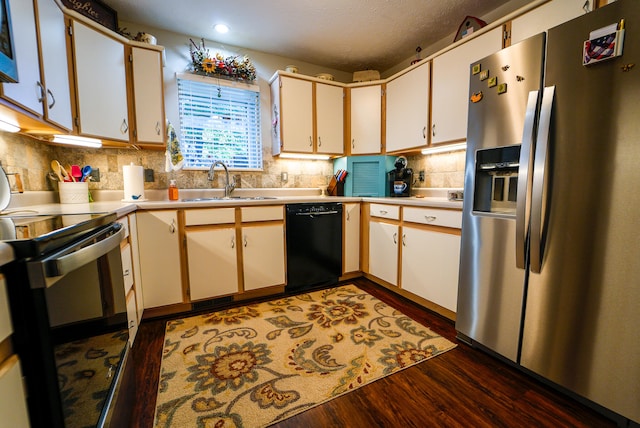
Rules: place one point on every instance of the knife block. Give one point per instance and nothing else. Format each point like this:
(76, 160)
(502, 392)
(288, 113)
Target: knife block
(335, 187)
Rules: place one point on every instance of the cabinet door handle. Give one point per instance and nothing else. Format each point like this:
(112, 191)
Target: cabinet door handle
(384, 212)
(124, 127)
(319, 142)
(126, 273)
(348, 215)
(245, 241)
(53, 99)
(395, 238)
(424, 132)
(433, 130)
(403, 238)
(430, 218)
(131, 324)
(172, 226)
(41, 89)
(158, 129)
(233, 242)
(310, 141)
(353, 143)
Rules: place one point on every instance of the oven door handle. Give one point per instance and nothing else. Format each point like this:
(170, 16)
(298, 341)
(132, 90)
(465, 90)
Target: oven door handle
(63, 262)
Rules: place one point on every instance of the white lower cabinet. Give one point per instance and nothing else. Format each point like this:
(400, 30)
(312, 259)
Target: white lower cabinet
(13, 407)
(159, 244)
(351, 238)
(212, 262)
(263, 256)
(430, 261)
(383, 251)
(132, 316)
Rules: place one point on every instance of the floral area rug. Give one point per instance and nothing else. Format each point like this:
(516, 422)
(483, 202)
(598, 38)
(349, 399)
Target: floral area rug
(258, 364)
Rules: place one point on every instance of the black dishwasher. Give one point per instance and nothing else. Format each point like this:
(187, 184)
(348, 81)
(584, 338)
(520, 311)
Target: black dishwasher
(314, 244)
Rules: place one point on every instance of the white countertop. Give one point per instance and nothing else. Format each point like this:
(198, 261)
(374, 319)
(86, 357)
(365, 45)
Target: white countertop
(108, 202)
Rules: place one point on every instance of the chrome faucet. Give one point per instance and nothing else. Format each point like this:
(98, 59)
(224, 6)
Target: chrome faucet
(229, 186)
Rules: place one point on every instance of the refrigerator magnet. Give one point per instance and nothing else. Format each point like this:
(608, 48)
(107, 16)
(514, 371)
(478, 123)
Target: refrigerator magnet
(502, 88)
(484, 75)
(493, 81)
(475, 69)
(476, 97)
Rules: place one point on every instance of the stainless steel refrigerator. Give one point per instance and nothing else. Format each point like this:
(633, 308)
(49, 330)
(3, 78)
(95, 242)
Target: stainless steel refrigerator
(550, 255)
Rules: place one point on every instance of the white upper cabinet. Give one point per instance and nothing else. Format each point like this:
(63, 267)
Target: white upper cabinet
(29, 90)
(450, 90)
(295, 117)
(47, 98)
(101, 84)
(329, 118)
(53, 42)
(148, 95)
(307, 115)
(544, 17)
(408, 109)
(366, 120)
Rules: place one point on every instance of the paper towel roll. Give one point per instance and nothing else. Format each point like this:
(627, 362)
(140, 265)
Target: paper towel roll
(133, 177)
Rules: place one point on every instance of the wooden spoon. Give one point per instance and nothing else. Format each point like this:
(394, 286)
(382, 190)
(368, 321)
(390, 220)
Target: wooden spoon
(67, 172)
(57, 169)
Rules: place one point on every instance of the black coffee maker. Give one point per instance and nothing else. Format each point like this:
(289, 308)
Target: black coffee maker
(400, 179)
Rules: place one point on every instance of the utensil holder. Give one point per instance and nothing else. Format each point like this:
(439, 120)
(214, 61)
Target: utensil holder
(73, 192)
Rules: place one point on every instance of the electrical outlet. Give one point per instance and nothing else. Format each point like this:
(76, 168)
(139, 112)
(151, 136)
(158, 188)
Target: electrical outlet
(148, 175)
(421, 175)
(95, 174)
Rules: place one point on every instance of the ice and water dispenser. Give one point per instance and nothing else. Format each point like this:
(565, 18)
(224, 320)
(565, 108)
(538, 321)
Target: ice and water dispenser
(496, 181)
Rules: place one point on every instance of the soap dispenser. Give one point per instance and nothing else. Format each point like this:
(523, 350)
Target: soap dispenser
(173, 190)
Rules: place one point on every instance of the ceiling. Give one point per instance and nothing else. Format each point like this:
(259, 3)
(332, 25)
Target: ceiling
(346, 35)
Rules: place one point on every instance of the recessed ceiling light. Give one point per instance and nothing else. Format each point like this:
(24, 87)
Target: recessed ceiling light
(221, 28)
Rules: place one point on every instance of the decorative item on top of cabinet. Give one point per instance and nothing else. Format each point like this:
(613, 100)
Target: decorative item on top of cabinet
(101, 84)
(366, 120)
(307, 115)
(96, 11)
(407, 107)
(450, 85)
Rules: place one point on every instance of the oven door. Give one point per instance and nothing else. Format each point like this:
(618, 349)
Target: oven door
(74, 339)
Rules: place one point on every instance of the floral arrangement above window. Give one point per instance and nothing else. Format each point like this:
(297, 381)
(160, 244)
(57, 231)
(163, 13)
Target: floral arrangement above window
(234, 67)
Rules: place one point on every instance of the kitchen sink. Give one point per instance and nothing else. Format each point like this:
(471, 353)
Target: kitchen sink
(231, 198)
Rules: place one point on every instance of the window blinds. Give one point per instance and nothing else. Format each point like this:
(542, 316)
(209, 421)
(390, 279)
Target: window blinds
(219, 120)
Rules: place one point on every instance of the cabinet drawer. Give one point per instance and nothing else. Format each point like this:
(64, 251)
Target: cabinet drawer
(209, 216)
(435, 217)
(385, 211)
(275, 212)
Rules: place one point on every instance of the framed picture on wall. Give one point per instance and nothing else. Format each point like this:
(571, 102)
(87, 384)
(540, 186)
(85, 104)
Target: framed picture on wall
(8, 66)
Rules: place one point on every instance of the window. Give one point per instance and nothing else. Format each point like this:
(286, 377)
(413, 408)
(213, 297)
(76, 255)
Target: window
(219, 120)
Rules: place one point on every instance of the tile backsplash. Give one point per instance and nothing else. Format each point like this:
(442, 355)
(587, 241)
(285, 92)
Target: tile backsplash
(31, 158)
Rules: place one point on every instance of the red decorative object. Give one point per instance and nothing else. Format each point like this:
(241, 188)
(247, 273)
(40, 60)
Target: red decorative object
(468, 26)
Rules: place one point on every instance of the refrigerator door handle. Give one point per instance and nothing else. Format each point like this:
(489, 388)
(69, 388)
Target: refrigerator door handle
(523, 202)
(538, 203)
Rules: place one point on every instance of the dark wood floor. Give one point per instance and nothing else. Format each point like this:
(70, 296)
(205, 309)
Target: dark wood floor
(461, 388)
